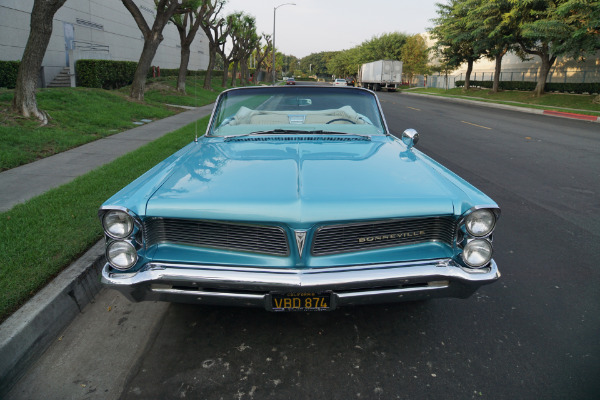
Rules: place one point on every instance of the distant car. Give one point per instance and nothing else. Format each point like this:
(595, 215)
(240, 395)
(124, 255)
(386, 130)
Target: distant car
(339, 82)
(350, 81)
(299, 199)
(290, 81)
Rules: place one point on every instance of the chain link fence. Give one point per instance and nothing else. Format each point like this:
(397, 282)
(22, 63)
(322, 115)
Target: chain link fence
(530, 75)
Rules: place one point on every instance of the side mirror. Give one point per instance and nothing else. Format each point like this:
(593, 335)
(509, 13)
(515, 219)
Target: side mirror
(410, 137)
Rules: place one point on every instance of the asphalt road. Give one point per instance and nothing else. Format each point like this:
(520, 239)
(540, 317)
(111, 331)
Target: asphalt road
(532, 335)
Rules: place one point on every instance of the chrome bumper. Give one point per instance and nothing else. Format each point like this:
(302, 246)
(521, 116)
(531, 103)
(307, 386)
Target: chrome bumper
(351, 285)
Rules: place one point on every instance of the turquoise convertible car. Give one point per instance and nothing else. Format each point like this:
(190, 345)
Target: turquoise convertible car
(298, 199)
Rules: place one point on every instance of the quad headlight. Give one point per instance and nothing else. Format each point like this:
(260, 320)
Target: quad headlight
(480, 222)
(117, 224)
(121, 254)
(477, 253)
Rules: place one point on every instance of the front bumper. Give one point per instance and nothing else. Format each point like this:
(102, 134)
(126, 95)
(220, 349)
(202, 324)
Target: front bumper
(350, 285)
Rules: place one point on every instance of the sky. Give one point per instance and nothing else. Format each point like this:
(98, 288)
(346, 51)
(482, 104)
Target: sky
(313, 26)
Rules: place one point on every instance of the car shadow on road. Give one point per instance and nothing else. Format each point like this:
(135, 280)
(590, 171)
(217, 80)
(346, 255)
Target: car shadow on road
(222, 352)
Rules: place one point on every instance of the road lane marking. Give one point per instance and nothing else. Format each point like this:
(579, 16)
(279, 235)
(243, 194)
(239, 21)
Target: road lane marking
(479, 126)
(412, 108)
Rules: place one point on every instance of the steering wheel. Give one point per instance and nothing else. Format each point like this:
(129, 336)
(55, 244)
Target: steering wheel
(341, 119)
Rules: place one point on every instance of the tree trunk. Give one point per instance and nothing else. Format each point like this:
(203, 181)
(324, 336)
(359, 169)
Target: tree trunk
(243, 72)
(547, 63)
(234, 73)
(497, 70)
(257, 72)
(468, 74)
(183, 66)
(152, 38)
(226, 64)
(24, 101)
(141, 72)
(212, 52)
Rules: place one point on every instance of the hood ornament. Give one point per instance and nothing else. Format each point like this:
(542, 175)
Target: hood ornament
(300, 240)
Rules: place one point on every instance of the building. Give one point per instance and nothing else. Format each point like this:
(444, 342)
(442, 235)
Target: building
(92, 29)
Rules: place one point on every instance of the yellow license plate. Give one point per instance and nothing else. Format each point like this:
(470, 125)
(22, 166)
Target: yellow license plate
(302, 301)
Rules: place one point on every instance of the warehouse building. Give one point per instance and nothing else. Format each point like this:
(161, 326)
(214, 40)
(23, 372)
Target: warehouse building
(92, 29)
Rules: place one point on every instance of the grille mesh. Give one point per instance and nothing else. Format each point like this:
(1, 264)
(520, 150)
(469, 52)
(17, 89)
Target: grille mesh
(337, 239)
(252, 238)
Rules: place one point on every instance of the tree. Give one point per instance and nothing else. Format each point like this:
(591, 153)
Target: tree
(24, 101)
(388, 46)
(582, 19)
(187, 24)
(345, 63)
(491, 24)
(316, 63)
(152, 38)
(248, 39)
(261, 53)
(244, 41)
(455, 44)
(415, 56)
(551, 28)
(212, 25)
(225, 32)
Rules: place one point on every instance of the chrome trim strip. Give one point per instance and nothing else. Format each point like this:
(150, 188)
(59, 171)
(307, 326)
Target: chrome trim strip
(358, 284)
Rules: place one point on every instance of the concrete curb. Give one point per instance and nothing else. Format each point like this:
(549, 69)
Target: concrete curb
(26, 334)
(551, 113)
(30, 330)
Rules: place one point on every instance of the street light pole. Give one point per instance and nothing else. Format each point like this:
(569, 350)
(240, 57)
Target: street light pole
(274, 14)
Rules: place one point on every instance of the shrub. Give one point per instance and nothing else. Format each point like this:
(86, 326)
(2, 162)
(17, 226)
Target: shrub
(106, 74)
(8, 73)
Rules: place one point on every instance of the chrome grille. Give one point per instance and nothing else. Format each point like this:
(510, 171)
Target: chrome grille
(336, 239)
(220, 235)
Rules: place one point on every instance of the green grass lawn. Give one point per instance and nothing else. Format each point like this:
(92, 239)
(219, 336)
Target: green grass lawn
(163, 90)
(582, 104)
(41, 237)
(82, 115)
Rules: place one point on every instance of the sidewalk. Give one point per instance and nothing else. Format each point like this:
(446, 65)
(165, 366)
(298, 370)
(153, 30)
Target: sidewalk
(26, 334)
(22, 183)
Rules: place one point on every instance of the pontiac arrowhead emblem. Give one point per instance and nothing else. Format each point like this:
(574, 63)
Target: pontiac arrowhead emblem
(300, 240)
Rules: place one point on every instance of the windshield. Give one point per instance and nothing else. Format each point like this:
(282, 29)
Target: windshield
(307, 109)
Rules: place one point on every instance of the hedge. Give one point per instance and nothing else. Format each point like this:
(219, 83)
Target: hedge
(104, 74)
(590, 88)
(109, 74)
(8, 73)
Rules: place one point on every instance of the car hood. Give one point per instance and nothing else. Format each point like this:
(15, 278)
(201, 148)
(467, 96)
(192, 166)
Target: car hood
(299, 182)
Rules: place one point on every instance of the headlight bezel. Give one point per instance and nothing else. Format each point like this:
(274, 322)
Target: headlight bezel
(468, 219)
(472, 243)
(130, 223)
(132, 251)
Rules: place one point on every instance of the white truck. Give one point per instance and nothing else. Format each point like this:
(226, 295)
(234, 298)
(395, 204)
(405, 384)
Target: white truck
(381, 74)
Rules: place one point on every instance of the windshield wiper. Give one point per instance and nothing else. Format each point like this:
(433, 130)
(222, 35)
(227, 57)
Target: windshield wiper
(295, 132)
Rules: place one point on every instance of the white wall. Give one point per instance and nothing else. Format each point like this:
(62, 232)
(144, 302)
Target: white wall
(103, 29)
